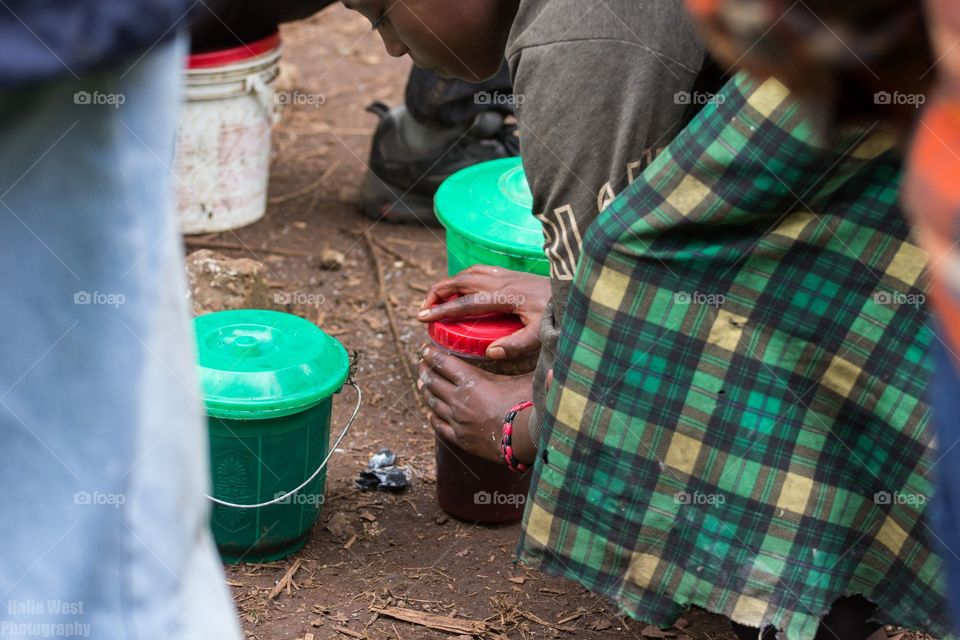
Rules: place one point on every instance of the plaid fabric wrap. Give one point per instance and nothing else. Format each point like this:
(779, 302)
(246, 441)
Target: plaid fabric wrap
(736, 420)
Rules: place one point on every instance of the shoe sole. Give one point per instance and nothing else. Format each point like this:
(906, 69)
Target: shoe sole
(382, 201)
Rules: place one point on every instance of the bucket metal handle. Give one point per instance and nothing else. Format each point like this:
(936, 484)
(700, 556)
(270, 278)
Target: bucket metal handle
(333, 449)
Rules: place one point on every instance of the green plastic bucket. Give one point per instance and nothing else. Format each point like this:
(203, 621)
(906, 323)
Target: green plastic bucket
(268, 381)
(487, 210)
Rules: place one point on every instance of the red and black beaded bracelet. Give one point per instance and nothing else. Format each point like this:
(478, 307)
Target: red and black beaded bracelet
(506, 442)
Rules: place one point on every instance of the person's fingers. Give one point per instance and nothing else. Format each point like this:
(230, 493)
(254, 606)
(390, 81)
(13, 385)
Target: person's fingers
(435, 384)
(473, 304)
(524, 342)
(438, 406)
(475, 279)
(549, 379)
(468, 281)
(438, 393)
(462, 284)
(450, 367)
(443, 430)
(434, 293)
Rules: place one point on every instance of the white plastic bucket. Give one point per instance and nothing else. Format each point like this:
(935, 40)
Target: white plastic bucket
(222, 162)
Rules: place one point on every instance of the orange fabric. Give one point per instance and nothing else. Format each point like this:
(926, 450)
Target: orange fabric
(703, 7)
(933, 183)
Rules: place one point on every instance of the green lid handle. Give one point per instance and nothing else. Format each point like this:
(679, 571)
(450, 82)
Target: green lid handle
(246, 345)
(278, 499)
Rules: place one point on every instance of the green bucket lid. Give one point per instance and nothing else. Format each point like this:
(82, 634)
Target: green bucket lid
(258, 364)
(490, 203)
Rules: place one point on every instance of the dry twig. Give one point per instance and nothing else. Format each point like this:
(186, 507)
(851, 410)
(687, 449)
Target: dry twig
(284, 582)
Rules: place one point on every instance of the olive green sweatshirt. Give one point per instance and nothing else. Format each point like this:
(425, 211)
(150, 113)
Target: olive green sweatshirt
(600, 86)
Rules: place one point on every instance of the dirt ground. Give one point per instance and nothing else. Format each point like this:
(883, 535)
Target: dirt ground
(389, 550)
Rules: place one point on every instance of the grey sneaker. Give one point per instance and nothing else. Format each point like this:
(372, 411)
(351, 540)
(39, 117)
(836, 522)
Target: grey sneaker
(404, 176)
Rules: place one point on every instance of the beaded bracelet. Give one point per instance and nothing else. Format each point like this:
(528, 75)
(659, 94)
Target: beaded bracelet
(506, 442)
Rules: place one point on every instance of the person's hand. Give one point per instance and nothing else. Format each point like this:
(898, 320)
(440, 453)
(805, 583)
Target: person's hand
(467, 405)
(482, 289)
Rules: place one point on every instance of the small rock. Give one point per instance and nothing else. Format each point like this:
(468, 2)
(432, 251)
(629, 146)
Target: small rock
(341, 525)
(331, 259)
(374, 322)
(441, 518)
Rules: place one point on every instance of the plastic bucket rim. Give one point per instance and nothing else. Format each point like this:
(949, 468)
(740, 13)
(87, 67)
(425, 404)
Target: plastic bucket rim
(290, 404)
(239, 54)
(234, 84)
(448, 222)
(518, 251)
(224, 410)
(236, 70)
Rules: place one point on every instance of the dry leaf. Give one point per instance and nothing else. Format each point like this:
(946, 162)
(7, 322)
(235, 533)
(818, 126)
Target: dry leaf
(600, 625)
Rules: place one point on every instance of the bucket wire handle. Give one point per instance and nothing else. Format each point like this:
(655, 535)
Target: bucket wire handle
(265, 96)
(333, 449)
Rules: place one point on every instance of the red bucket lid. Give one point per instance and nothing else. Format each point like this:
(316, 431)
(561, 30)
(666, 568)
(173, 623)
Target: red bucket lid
(472, 336)
(224, 57)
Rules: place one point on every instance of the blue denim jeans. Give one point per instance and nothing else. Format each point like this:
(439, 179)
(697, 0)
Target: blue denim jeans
(945, 397)
(103, 521)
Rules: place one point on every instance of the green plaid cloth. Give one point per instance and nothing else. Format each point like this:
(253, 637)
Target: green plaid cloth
(737, 418)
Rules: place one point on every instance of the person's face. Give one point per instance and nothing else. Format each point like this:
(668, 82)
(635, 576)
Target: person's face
(456, 38)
